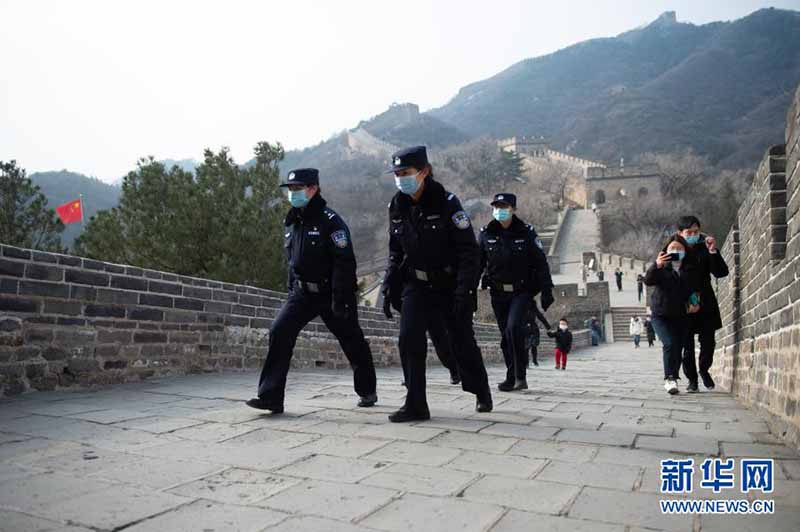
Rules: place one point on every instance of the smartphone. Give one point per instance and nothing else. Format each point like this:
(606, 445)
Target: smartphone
(673, 256)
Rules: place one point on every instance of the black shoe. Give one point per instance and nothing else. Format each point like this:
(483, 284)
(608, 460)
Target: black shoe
(536, 364)
(404, 416)
(455, 378)
(708, 382)
(484, 405)
(692, 388)
(368, 400)
(265, 404)
(506, 386)
(563, 368)
(521, 384)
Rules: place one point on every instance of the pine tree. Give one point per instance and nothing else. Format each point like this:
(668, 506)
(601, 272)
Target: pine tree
(25, 220)
(224, 222)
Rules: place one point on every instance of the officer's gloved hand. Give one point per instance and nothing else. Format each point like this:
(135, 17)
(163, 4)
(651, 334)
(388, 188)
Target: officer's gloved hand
(387, 305)
(340, 309)
(547, 299)
(462, 306)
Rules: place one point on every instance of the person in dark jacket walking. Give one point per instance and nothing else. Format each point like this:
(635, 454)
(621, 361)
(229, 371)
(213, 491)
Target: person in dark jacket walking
(639, 286)
(671, 279)
(563, 338)
(704, 324)
(322, 282)
(516, 271)
(433, 272)
(618, 274)
(534, 336)
(651, 333)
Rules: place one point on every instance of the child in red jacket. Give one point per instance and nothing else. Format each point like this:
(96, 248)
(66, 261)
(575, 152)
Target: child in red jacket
(563, 338)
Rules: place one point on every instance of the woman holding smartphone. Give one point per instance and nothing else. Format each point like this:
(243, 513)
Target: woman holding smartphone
(671, 301)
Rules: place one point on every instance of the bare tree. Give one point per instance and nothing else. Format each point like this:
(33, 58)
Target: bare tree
(681, 173)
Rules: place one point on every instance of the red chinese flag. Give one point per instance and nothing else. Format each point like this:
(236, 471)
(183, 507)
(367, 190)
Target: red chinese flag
(70, 212)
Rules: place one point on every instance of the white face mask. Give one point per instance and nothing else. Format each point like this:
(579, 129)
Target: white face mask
(562, 326)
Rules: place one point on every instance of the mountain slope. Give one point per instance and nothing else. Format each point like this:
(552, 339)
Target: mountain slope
(719, 88)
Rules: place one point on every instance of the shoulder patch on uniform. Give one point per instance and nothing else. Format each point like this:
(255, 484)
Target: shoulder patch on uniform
(451, 196)
(461, 220)
(339, 238)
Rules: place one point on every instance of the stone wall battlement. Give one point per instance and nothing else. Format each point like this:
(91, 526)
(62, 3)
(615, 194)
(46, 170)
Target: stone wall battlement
(758, 348)
(67, 321)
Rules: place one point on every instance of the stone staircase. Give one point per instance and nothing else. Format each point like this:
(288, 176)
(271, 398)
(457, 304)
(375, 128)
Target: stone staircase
(621, 319)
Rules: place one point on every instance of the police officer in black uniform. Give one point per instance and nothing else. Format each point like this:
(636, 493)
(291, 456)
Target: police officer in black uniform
(322, 282)
(516, 270)
(433, 271)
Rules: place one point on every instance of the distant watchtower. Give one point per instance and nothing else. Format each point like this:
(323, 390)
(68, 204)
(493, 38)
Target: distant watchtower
(535, 147)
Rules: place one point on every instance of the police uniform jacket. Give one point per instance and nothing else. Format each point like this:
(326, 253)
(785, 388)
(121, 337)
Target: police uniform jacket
(514, 258)
(320, 251)
(432, 239)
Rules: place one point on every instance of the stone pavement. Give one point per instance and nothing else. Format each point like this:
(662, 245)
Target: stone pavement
(579, 451)
(580, 232)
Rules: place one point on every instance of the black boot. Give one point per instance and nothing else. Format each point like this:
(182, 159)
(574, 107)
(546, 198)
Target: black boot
(455, 378)
(265, 404)
(708, 382)
(506, 386)
(521, 384)
(405, 415)
(368, 400)
(483, 402)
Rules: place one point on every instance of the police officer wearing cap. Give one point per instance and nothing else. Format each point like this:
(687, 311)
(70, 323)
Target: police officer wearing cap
(516, 270)
(433, 270)
(322, 282)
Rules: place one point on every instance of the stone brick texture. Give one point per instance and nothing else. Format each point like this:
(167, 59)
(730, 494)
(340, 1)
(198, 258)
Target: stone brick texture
(758, 348)
(69, 321)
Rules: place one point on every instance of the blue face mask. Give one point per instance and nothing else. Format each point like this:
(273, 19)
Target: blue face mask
(501, 215)
(298, 198)
(407, 184)
(692, 240)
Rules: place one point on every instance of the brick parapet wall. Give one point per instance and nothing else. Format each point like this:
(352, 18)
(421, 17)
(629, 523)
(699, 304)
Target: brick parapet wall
(758, 351)
(67, 320)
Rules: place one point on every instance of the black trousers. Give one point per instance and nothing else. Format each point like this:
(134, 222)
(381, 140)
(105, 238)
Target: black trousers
(708, 342)
(423, 306)
(437, 331)
(511, 311)
(300, 309)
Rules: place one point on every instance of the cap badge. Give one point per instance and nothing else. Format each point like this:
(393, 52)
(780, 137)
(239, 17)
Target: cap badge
(500, 196)
(291, 176)
(397, 161)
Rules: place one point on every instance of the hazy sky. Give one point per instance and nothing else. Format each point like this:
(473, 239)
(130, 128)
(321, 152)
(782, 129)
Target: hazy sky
(92, 86)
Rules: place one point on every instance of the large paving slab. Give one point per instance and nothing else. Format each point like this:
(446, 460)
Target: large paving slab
(579, 451)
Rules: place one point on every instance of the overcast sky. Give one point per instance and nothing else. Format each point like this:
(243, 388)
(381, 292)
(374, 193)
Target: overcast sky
(92, 86)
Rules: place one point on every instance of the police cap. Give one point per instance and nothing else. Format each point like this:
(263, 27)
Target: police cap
(505, 197)
(302, 176)
(413, 157)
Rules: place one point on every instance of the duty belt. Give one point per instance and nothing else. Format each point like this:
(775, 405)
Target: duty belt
(422, 275)
(505, 287)
(313, 288)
